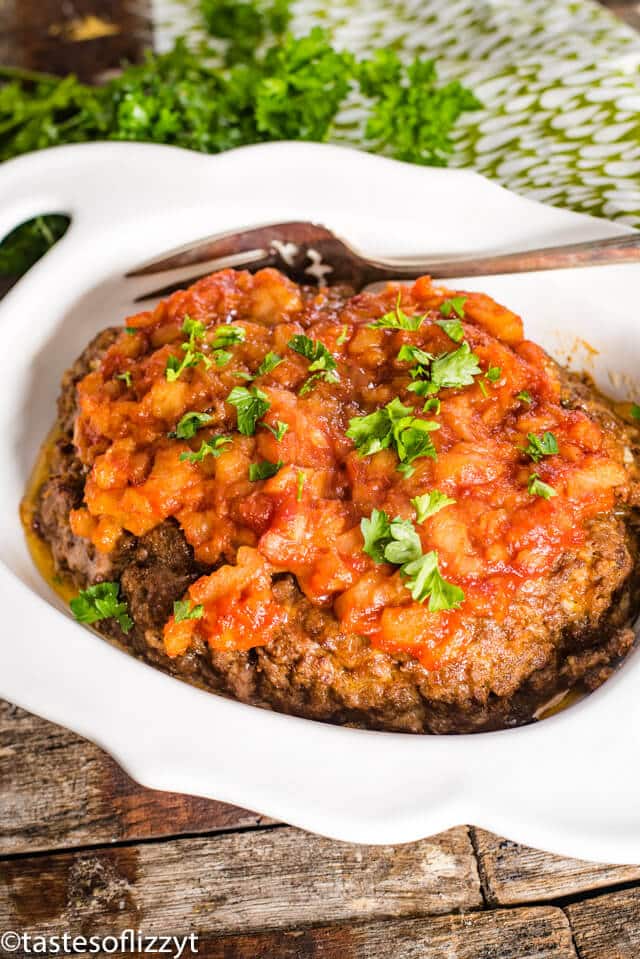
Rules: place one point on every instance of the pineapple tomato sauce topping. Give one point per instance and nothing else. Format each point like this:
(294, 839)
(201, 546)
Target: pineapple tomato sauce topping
(403, 454)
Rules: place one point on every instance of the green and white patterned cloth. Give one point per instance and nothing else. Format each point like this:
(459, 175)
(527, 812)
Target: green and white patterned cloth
(559, 80)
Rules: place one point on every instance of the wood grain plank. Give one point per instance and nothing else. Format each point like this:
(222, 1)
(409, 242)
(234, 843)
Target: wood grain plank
(627, 10)
(515, 874)
(541, 933)
(86, 37)
(240, 882)
(58, 790)
(607, 927)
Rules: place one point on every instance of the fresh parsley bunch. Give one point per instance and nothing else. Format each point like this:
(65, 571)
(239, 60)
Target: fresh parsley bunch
(273, 86)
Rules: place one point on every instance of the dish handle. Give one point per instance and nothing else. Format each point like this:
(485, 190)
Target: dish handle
(28, 190)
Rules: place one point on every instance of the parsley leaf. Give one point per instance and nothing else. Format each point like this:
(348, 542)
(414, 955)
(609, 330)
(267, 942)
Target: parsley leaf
(269, 363)
(376, 532)
(396, 541)
(413, 354)
(371, 433)
(250, 404)
(493, 374)
(536, 487)
(263, 470)
(189, 425)
(313, 350)
(175, 367)
(430, 503)
(396, 319)
(412, 441)
(635, 411)
(322, 364)
(397, 426)
(300, 485)
(539, 446)
(183, 610)
(101, 602)
(456, 369)
(331, 376)
(126, 377)
(221, 357)
(424, 580)
(278, 430)
(453, 328)
(212, 447)
(404, 545)
(194, 329)
(432, 405)
(228, 336)
(525, 397)
(454, 305)
(344, 335)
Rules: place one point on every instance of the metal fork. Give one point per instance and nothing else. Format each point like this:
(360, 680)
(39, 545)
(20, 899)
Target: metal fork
(308, 253)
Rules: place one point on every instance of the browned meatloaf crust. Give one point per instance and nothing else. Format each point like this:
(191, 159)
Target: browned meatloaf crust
(312, 669)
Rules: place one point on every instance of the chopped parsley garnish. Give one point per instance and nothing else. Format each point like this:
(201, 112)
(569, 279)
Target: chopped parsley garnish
(322, 365)
(430, 503)
(454, 305)
(101, 602)
(250, 404)
(268, 364)
(525, 397)
(413, 354)
(635, 411)
(432, 405)
(539, 446)
(424, 580)
(194, 329)
(313, 350)
(189, 425)
(278, 430)
(131, 330)
(126, 377)
(396, 319)
(263, 470)
(493, 374)
(453, 329)
(456, 369)
(536, 487)
(449, 371)
(212, 447)
(396, 541)
(183, 610)
(376, 532)
(300, 485)
(344, 335)
(394, 426)
(221, 357)
(228, 336)
(175, 366)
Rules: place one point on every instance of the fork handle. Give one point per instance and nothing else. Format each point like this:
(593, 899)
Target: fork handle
(615, 250)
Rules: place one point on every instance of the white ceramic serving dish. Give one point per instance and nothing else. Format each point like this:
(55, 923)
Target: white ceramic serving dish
(570, 784)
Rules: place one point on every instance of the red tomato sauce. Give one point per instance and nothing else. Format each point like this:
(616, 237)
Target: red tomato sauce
(305, 519)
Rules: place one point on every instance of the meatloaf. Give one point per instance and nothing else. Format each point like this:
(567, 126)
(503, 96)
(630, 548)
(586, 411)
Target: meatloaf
(387, 510)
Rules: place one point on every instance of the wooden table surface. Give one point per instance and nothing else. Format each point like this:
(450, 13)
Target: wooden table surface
(85, 850)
